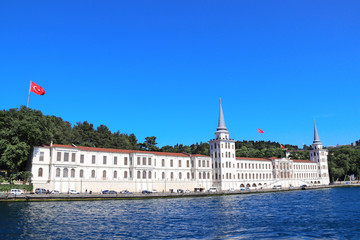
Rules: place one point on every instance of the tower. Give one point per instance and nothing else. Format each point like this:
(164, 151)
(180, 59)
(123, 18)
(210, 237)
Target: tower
(222, 152)
(319, 155)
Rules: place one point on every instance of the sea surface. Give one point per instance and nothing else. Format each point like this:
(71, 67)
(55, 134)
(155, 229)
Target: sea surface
(310, 214)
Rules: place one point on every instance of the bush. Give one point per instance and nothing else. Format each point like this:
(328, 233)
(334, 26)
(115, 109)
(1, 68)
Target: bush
(8, 187)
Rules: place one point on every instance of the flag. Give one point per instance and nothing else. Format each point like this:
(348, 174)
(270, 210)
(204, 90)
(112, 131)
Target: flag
(36, 89)
(282, 146)
(260, 131)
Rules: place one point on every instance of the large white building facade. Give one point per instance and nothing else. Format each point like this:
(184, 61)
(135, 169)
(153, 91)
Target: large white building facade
(65, 167)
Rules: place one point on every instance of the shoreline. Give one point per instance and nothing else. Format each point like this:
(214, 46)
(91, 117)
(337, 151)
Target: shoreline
(6, 197)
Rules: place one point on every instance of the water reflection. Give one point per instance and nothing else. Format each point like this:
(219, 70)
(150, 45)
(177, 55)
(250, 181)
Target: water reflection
(329, 213)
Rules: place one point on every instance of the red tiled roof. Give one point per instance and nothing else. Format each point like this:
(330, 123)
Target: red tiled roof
(300, 160)
(199, 155)
(94, 149)
(255, 159)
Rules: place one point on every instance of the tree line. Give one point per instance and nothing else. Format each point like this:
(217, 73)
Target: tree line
(22, 129)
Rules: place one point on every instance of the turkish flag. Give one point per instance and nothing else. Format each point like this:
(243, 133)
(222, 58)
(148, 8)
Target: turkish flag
(36, 89)
(282, 146)
(260, 131)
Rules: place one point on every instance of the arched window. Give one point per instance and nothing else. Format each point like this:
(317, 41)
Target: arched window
(204, 175)
(172, 175)
(65, 172)
(93, 173)
(163, 175)
(188, 175)
(149, 175)
(104, 174)
(144, 174)
(125, 174)
(180, 175)
(115, 174)
(58, 172)
(81, 173)
(199, 175)
(72, 173)
(40, 172)
(138, 174)
(208, 175)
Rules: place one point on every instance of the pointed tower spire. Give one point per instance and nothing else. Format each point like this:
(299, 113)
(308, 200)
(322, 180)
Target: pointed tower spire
(221, 125)
(316, 136)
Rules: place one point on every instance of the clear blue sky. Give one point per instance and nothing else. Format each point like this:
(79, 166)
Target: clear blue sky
(158, 68)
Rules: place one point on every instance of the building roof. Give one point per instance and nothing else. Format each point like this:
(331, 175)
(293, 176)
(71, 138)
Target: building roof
(301, 160)
(112, 150)
(254, 159)
(221, 124)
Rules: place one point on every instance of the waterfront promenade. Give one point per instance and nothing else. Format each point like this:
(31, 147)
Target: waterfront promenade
(96, 196)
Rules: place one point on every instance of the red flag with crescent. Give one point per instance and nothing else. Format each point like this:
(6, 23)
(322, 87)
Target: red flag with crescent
(36, 89)
(260, 131)
(282, 146)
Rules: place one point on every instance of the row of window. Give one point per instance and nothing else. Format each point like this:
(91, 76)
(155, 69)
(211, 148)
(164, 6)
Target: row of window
(141, 161)
(227, 155)
(226, 144)
(245, 176)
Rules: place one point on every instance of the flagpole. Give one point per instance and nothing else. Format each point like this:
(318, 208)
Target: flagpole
(27, 106)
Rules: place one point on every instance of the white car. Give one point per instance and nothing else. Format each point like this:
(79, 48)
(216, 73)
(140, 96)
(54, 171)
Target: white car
(154, 191)
(73, 192)
(16, 191)
(55, 192)
(213, 189)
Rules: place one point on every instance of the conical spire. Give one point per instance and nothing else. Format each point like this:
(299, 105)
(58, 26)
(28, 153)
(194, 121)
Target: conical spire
(221, 125)
(316, 135)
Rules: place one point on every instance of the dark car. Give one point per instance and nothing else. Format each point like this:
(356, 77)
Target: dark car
(40, 191)
(105, 192)
(112, 192)
(180, 191)
(146, 192)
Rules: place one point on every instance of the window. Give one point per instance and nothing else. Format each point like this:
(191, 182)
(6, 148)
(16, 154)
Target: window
(93, 159)
(163, 162)
(40, 172)
(149, 161)
(58, 172)
(82, 158)
(187, 163)
(172, 175)
(41, 158)
(180, 175)
(115, 160)
(163, 175)
(171, 163)
(208, 175)
(144, 174)
(125, 174)
(58, 157)
(138, 174)
(66, 157)
(65, 172)
(199, 163)
(203, 163)
(179, 163)
(188, 175)
(125, 160)
(208, 163)
(72, 173)
(138, 160)
(81, 173)
(115, 174)
(155, 162)
(93, 173)
(104, 159)
(204, 175)
(104, 174)
(199, 175)
(144, 160)
(149, 175)
(73, 156)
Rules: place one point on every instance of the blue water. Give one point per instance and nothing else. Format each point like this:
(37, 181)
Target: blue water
(310, 214)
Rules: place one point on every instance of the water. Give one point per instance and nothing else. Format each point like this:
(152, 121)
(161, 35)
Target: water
(310, 214)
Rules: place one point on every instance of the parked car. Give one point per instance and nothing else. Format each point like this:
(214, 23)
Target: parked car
(73, 192)
(187, 191)
(16, 191)
(154, 191)
(212, 189)
(277, 187)
(40, 191)
(146, 192)
(231, 190)
(55, 192)
(112, 192)
(125, 192)
(105, 192)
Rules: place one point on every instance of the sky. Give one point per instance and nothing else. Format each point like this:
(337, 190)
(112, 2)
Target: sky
(159, 68)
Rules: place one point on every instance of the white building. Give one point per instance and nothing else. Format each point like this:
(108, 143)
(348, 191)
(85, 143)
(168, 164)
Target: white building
(65, 167)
